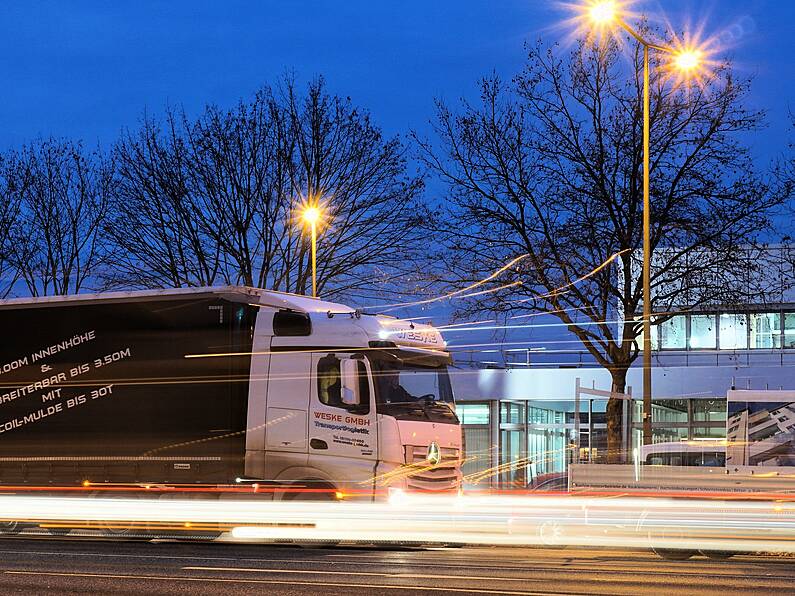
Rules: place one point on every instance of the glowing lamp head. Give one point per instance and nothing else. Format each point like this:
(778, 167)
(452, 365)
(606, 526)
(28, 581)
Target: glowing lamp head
(311, 215)
(687, 60)
(602, 12)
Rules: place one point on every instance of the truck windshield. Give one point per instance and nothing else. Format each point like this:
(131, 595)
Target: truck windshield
(413, 392)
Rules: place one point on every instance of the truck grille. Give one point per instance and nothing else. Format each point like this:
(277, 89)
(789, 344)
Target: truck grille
(443, 477)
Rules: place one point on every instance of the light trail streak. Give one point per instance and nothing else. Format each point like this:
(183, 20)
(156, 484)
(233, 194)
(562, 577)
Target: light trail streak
(514, 464)
(455, 293)
(512, 284)
(461, 326)
(591, 365)
(712, 522)
(553, 312)
(463, 292)
(405, 471)
(571, 284)
(288, 352)
(452, 326)
(532, 326)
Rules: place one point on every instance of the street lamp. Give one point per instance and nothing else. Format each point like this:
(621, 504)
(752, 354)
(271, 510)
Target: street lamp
(311, 215)
(606, 13)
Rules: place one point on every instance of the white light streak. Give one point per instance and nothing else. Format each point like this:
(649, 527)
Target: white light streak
(629, 522)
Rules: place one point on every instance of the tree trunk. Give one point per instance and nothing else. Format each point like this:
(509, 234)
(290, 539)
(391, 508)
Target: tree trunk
(616, 451)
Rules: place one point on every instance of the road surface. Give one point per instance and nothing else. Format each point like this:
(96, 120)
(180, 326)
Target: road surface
(79, 566)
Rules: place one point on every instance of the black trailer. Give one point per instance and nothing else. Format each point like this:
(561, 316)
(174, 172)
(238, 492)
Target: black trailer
(102, 389)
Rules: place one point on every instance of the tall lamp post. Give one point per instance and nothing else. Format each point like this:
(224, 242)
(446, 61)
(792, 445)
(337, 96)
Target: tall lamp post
(311, 216)
(606, 14)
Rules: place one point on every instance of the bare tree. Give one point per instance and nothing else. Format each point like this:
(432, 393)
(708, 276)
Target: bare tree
(372, 238)
(240, 180)
(784, 172)
(10, 207)
(156, 225)
(551, 166)
(62, 192)
(217, 198)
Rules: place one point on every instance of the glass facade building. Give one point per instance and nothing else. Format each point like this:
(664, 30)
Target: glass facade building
(515, 444)
(519, 419)
(726, 331)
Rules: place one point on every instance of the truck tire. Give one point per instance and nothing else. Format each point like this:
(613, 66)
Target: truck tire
(718, 555)
(323, 493)
(670, 554)
(10, 528)
(327, 496)
(550, 533)
(674, 554)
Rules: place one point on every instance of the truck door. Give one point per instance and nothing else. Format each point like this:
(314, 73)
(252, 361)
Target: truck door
(286, 414)
(342, 423)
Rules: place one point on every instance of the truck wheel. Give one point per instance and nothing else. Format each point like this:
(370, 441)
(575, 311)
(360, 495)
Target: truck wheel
(318, 497)
(324, 494)
(116, 531)
(550, 533)
(673, 554)
(10, 528)
(717, 555)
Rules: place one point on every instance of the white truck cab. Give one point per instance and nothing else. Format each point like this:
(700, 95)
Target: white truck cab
(350, 403)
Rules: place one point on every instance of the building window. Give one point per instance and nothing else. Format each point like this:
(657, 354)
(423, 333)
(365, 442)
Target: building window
(765, 330)
(673, 333)
(513, 459)
(548, 450)
(708, 432)
(477, 457)
(703, 332)
(512, 413)
(667, 435)
(669, 410)
(789, 330)
(545, 416)
(473, 413)
(709, 410)
(733, 332)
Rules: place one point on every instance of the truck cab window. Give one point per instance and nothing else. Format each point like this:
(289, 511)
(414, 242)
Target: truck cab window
(403, 383)
(410, 391)
(394, 392)
(329, 385)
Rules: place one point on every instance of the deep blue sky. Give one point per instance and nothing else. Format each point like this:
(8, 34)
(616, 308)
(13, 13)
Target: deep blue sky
(87, 69)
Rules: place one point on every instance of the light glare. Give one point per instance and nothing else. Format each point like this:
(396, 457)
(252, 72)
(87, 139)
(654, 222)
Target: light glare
(602, 13)
(311, 215)
(687, 60)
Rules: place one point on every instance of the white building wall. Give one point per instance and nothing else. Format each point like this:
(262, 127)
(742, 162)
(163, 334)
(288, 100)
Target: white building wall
(471, 384)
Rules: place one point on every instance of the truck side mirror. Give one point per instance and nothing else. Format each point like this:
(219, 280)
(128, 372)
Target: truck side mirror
(349, 372)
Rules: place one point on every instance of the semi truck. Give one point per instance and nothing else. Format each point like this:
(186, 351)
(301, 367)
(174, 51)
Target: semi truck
(223, 387)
